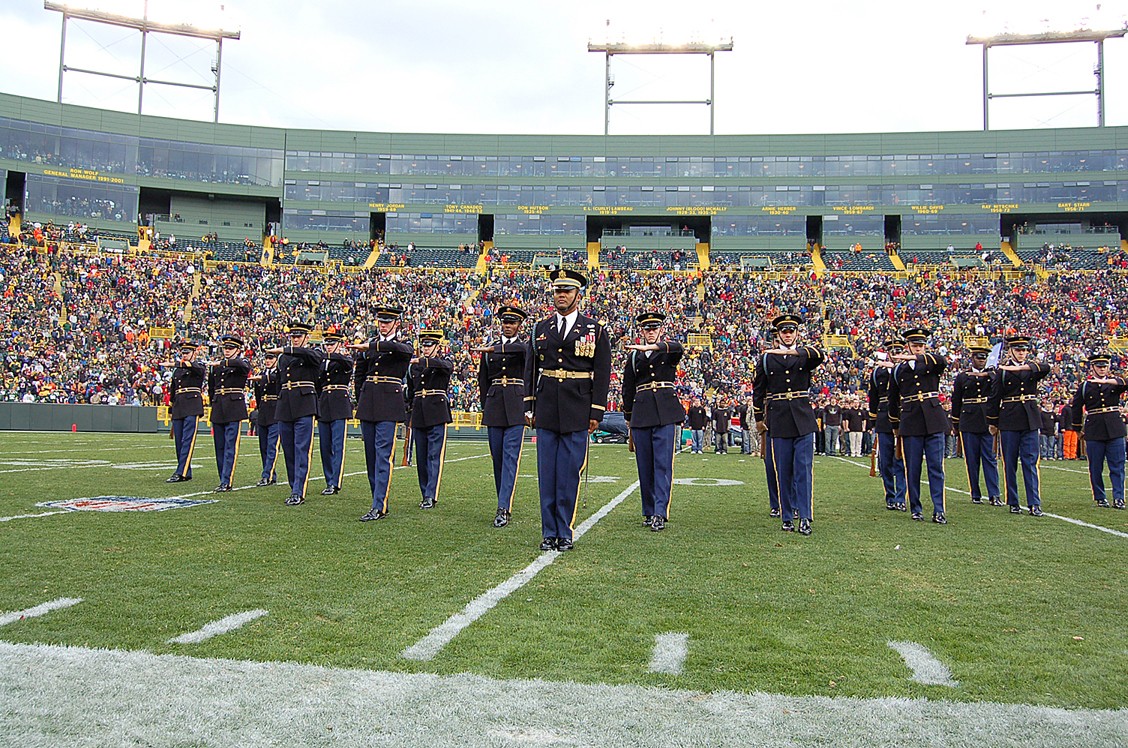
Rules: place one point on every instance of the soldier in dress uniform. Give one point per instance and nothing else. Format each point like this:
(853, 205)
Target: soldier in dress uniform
(567, 376)
(654, 415)
(501, 387)
(427, 383)
(783, 414)
(890, 464)
(1013, 413)
(298, 368)
(380, 404)
(1103, 429)
(919, 420)
(971, 392)
(267, 385)
(227, 385)
(334, 409)
(186, 394)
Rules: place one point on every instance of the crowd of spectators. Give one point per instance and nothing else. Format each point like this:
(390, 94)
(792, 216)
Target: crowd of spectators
(76, 326)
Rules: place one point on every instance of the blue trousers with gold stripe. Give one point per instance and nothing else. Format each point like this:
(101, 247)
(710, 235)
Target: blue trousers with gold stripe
(770, 471)
(979, 450)
(430, 444)
(331, 444)
(928, 449)
(1099, 452)
(560, 460)
(1021, 446)
(379, 451)
(184, 439)
(297, 445)
(794, 460)
(268, 449)
(226, 438)
(654, 452)
(891, 469)
(505, 450)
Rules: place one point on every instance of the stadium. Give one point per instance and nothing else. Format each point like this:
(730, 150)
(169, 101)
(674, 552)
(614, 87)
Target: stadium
(137, 612)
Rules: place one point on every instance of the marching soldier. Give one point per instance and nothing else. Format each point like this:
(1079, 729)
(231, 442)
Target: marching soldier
(334, 408)
(567, 376)
(187, 406)
(501, 387)
(890, 464)
(428, 381)
(919, 420)
(227, 384)
(654, 415)
(1013, 414)
(380, 404)
(971, 392)
(783, 414)
(298, 369)
(1104, 428)
(267, 387)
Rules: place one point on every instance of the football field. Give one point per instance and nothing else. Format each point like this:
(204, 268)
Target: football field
(246, 622)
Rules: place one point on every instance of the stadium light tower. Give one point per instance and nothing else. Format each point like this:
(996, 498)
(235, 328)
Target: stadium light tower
(1049, 37)
(146, 27)
(610, 49)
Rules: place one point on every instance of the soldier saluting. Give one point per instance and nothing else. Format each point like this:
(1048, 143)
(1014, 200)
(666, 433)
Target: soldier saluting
(971, 392)
(428, 380)
(1104, 428)
(298, 367)
(654, 415)
(267, 386)
(783, 414)
(186, 397)
(501, 388)
(227, 384)
(1013, 413)
(890, 465)
(334, 408)
(567, 377)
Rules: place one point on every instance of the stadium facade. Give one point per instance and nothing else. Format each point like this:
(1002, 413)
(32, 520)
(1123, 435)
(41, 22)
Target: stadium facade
(924, 190)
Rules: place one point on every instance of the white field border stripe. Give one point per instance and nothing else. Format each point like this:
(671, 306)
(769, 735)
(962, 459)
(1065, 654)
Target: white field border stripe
(38, 610)
(32, 516)
(926, 668)
(669, 654)
(222, 626)
(1070, 520)
(1043, 465)
(123, 448)
(431, 644)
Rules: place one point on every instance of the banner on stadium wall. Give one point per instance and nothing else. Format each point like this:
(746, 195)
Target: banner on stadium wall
(162, 333)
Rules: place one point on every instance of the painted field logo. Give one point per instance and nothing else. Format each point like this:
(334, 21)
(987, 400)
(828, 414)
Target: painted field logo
(122, 504)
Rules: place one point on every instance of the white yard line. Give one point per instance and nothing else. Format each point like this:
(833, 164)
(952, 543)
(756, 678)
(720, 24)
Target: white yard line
(926, 668)
(222, 626)
(123, 448)
(968, 493)
(39, 610)
(433, 643)
(31, 516)
(669, 654)
(85, 698)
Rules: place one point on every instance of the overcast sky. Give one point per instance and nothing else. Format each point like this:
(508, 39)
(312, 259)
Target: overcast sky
(522, 66)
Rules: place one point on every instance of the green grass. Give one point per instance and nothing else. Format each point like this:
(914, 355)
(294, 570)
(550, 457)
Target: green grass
(1020, 609)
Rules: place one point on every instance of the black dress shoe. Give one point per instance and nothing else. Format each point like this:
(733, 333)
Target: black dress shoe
(774, 513)
(995, 501)
(221, 489)
(1102, 503)
(658, 525)
(917, 517)
(788, 526)
(373, 515)
(891, 507)
(1035, 511)
(173, 479)
(501, 519)
(976, 499)
(263, 482)
(564, 544)
(548, 544)
(902, 508)
(939, 518)
(804, 527)
(648, 521)
(1118, 504)
(428, 503)
(1015, 510)
(329, 491)
(295, 500)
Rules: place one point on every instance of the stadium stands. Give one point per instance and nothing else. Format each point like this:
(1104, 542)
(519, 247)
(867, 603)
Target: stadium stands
(858, 261)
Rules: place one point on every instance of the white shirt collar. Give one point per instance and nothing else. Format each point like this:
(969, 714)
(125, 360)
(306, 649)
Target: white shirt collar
(569, 320)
